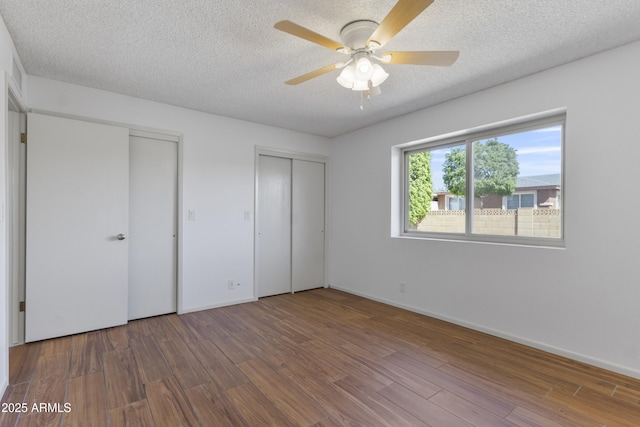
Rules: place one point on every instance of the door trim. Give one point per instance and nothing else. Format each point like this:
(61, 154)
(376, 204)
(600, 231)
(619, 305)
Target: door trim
(137, 129)
(15, 288)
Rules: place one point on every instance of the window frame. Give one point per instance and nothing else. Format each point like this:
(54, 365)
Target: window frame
(466, 139)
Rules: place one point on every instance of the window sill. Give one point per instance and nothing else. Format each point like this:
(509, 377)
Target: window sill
(485, 240)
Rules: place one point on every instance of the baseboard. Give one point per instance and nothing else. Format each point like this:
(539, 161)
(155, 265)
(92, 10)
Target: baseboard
(223, 304)
(501, 334)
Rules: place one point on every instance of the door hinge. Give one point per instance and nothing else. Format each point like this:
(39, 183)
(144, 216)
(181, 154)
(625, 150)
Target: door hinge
(23, 137)
(22, 306)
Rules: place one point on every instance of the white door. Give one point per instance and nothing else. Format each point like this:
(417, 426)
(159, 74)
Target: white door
(153, 196)
(273, 267)
(307, 225)
(77, 206)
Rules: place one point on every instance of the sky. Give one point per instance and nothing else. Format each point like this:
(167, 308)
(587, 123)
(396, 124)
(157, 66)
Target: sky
(538, 153)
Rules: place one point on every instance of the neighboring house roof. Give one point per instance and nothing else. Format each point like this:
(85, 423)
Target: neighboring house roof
(531, 181)
(538, 181)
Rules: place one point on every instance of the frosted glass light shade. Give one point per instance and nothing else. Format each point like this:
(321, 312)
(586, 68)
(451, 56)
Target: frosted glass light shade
(361, 85)
(364, 69)
(378, 76)
(347, 77)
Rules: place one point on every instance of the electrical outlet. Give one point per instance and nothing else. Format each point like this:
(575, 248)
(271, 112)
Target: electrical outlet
(403, 288)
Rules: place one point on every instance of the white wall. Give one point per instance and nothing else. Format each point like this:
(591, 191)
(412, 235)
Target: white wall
(217, 181)
(581, 301)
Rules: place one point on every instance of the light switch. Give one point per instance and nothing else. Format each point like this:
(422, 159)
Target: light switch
(192, 215)
(247, 215)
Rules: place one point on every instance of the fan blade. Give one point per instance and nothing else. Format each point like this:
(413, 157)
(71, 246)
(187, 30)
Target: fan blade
(312, 75)
(402, 13)
(304, 33)
(438, 58)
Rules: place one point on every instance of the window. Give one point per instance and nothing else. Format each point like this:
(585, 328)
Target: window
(521, 200)
(499, 185)
(455, 203)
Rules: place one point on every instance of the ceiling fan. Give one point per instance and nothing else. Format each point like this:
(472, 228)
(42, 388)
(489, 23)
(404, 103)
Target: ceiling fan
(360, 40)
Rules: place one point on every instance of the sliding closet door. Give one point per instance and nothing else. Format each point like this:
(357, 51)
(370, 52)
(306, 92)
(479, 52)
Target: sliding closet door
(307, 225)
(289, 225)
(273, 266)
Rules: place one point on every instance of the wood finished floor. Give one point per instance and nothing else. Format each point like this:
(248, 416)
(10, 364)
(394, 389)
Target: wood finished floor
(317, 358)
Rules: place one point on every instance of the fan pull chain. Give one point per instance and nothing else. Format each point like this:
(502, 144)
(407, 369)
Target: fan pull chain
(369, 94)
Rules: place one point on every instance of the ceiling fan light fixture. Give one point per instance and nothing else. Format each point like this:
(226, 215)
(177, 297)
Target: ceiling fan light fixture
(362, 75)
(364, 68)
(360, 40)
(347, 77)
(378, 76)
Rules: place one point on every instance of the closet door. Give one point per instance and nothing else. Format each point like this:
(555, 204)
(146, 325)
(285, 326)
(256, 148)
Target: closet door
(153, 204)
(307, 225)
(273, 240)
(77, 223)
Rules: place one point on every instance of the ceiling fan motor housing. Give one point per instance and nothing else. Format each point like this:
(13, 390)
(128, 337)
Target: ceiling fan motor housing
(355, 34)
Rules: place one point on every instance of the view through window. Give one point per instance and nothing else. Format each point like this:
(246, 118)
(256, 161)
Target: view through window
(505, 183)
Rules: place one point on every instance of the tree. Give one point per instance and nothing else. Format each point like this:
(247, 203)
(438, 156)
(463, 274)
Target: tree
(495, 170)
(420, 186)
(454, 173)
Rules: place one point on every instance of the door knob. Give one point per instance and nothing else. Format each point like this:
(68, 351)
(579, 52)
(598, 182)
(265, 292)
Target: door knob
(121, 236)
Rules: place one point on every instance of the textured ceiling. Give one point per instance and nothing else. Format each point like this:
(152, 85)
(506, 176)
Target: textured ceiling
(225, 57)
